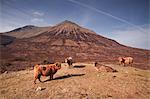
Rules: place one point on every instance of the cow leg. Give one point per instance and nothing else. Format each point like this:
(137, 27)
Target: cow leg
(70, 65)
(39, 76)
(35, 79)
(130, 64)
(51, 77)
(119, 63)
(124, 64)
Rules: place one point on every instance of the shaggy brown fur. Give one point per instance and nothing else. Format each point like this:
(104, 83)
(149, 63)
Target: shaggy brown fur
(69, 61)
(45, 70)
(125, 60)
(103, 68)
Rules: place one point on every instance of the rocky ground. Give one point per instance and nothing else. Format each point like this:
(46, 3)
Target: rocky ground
(80, 82)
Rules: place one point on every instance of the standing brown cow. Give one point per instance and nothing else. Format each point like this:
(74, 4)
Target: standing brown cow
(125, 60)
(45, 70)
(69, 61)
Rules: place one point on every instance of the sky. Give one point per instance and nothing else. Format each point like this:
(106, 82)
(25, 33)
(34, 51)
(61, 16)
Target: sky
(126, 21)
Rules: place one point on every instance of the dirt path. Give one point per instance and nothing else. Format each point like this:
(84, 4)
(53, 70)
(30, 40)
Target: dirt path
(80, 82)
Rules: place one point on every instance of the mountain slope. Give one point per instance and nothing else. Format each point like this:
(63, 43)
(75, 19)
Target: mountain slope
(26, 31)
(69, 39)
(68, 33)
(6, 40)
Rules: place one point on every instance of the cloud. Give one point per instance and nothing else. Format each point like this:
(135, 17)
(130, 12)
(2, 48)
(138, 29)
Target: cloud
(37, 20)
(8, 25)
(132, 37)
(37, 14)
(7, 28)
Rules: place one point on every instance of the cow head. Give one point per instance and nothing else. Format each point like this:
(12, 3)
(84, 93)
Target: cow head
(58, 65)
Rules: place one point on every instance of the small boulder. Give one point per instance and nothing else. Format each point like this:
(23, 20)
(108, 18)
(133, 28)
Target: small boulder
(38, 89)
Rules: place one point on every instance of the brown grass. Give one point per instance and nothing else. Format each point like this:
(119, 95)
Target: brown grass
(81, 82)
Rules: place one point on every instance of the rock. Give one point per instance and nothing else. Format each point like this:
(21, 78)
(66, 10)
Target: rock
(64, 90)
(98, 75)
(38, 89)
(6, 72)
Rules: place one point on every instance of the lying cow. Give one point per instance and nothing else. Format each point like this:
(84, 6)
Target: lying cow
(103, 68)
(45, 70)
(125, 60)
(69, 61)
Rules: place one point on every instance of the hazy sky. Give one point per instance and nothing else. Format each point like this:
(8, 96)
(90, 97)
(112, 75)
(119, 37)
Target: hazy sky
(126, 21)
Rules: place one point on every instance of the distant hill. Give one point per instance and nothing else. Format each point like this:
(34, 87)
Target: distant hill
(26, 31)
(6, 40)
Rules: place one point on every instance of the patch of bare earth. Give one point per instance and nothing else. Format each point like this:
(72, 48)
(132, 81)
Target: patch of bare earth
(80, 82)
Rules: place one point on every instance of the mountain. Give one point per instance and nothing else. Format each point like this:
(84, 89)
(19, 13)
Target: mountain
(6, 40)
(67, 39)
(70, 34)
(26, 31)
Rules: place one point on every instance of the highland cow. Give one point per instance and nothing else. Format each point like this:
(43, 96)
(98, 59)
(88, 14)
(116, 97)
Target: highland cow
(45, 70)
(125, 60)
(103, 68)
(69, 61)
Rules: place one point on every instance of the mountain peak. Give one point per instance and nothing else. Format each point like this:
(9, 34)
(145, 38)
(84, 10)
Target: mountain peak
(68, 24)
(68, 27)
(27, 27)
(67, 21)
